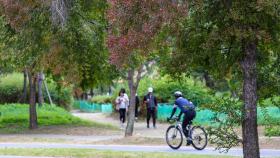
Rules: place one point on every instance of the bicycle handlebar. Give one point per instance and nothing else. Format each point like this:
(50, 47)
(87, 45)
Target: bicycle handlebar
(176, 118)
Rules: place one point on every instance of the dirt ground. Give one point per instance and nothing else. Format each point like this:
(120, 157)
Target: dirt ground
(151, 136)
(91, 135)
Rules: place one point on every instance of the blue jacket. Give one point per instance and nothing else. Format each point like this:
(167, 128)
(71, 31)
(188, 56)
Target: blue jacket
(183, 104)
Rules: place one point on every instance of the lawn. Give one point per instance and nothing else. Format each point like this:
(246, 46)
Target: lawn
(14, 118)
(97, 153)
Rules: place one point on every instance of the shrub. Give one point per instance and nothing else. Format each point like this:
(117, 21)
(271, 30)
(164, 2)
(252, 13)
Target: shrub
(11, 87)
(164, 88)
(272, 131)
(101, 99)
(62, 96)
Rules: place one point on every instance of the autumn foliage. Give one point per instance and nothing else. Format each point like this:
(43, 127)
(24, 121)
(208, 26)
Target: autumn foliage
(17, 12)
(133, 25)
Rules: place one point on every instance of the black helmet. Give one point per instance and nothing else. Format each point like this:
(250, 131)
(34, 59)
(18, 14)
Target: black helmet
(178, 94)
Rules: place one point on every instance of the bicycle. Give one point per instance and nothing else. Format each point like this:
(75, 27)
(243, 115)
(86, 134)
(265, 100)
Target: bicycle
(196, 135)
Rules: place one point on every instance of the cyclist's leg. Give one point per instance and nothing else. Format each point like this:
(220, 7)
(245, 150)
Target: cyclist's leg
(188, 117)
(184, 125)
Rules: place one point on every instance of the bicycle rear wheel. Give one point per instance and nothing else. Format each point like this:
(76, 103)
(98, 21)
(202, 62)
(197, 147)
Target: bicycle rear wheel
(174, 137)
(199, 138)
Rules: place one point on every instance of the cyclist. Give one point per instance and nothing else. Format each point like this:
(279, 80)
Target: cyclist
(186, 107)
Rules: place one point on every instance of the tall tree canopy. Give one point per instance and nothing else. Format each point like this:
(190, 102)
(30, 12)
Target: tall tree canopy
(233, 38)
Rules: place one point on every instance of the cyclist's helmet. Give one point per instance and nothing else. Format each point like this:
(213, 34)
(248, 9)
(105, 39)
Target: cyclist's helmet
(178, 94)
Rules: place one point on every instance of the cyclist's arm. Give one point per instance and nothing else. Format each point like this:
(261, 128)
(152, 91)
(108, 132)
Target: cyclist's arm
(174, 110)
(179, 116)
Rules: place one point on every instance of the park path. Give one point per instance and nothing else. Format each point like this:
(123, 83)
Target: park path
(134, 148)
(140, 128)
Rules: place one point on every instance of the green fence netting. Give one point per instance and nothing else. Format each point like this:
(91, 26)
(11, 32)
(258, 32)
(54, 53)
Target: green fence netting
(205, 116)
(93, 107)
(202, 117)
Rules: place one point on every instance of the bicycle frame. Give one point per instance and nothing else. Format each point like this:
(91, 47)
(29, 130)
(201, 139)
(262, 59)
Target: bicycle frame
(179, 125)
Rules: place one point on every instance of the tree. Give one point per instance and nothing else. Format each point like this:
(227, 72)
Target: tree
(133, 26)
(221, 36)
(82, 40)
(28, 39)
(71, 49)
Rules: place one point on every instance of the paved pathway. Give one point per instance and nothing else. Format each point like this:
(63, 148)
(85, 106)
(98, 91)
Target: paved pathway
(166, 149)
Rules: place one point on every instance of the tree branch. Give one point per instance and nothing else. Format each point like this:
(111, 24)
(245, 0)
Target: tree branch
(139, 75)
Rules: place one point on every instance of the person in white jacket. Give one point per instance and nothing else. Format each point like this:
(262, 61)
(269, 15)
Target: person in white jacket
(122, 103)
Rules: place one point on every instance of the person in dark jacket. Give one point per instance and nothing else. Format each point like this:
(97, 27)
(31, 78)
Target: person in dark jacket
(137, 102)
(151, 103)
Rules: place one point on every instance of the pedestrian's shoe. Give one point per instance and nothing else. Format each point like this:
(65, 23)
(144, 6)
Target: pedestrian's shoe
(148, 126)
(155, 126)
(121, 125)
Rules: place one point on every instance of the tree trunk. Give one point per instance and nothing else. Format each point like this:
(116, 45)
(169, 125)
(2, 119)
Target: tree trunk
(131, 109)
(131, 113)
(32, 101)
(85, 95)
(40, 91)
(133, 86)
(208, 81)
(110, 90)
(91, 92)
(249, 122)
(24, 91)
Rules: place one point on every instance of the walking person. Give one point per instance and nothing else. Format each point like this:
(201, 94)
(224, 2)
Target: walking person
(126, 96)
(122, 106)
(151, 104)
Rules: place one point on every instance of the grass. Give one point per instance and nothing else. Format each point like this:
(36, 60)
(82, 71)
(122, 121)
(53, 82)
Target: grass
(97, 153)
(11, 80)
(15, 118)
(272, 131)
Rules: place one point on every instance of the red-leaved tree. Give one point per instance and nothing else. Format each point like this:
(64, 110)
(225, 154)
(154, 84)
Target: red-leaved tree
(133, 27)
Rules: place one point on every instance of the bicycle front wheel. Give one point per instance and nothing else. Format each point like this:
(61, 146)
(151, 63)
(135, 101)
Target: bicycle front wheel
(199, 138)
(174, 137)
